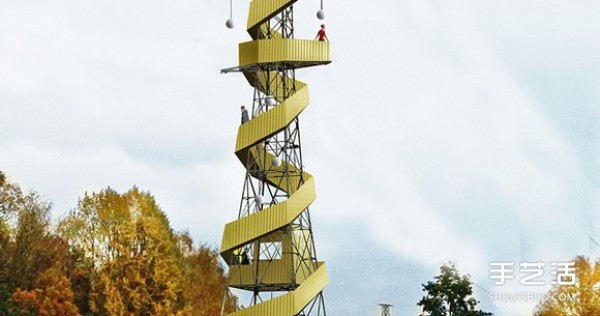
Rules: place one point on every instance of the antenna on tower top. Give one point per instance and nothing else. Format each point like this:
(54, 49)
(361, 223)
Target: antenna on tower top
(385, 309)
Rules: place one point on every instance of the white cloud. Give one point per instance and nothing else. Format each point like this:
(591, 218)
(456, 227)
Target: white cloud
(421, 128)
(195, 197)
(433, 119)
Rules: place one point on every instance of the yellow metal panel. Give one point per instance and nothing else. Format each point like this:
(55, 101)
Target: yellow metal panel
(276, 80)
(293, 302)
(275, 272)
(265, 225)
(283, 50)
(310, 288)
(272, 121)
(262, 10)
(250, 228)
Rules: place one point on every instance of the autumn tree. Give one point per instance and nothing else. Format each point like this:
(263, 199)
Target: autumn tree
(32, 251)
(33, 269)
(52, 297)
(579, 299)
(206, 291)
(114, 255)
(10, 195)
(450, 294)
(134, 251)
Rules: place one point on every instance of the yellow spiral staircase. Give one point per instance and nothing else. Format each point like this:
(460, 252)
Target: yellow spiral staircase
(262, 61)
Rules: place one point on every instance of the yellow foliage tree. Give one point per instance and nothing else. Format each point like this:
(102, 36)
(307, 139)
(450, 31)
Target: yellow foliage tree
(206, 291)
(580, 299)
(135, 252)
(114, 255)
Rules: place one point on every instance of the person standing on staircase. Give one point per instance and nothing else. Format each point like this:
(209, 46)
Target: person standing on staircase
(245, 117)
(321, 36)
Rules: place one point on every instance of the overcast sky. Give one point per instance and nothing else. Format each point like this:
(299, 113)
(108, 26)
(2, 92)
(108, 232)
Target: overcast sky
(459, 130)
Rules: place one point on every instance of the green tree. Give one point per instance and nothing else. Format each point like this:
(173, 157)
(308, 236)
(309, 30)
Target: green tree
(579, 299)
(450, 294)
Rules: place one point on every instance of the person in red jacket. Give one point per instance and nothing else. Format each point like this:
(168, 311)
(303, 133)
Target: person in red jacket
(321, 34)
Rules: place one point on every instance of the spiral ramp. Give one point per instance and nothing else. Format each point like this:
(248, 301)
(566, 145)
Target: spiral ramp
(262, 61)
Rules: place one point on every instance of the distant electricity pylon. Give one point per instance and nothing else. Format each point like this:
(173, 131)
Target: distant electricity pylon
(385, 309)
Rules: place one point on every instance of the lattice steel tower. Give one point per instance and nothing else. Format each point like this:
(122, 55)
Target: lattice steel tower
(385, 309)
(270, 248)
